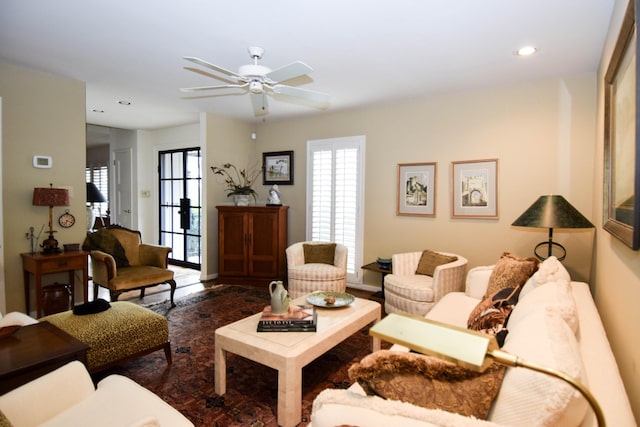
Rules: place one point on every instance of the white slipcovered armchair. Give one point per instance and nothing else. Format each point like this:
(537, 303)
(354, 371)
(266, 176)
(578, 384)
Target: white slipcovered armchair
(406, 291)
(304, 277)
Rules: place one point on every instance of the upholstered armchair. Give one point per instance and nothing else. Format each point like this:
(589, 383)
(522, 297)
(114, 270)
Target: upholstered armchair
(420, 279)
(316, 266)
(120, 262)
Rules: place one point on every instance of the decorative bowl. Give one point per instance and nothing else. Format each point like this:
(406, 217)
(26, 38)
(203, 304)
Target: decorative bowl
(384, 263)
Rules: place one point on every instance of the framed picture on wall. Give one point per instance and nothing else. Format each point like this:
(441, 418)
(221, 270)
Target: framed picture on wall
(277, 168)
(621, 143)
(416, 189)
(474, 192)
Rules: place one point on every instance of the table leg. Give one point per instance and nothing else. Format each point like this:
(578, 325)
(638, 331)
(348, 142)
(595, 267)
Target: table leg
(27, 294)
(38, 280)
(72, 282)
(289, 396)
(85, 280)
(220, 370)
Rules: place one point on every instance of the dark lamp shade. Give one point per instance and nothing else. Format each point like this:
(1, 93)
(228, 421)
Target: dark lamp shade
(50, 197)
(93, 194)
(552, 212)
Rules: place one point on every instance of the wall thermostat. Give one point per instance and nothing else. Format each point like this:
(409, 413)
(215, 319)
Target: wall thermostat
(44, 162)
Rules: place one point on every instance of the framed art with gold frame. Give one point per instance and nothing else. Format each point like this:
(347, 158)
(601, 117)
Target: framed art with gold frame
(621, 149)
(474, 192)
(416, 187)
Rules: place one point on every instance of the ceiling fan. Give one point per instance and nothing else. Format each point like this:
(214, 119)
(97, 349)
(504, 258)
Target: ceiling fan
(260, 81)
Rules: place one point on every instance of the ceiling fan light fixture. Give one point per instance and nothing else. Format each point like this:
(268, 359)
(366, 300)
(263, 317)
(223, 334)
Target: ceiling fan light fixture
(255, 87)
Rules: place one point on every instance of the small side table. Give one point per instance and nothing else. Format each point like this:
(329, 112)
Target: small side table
(35, 350)
(39, 264)
(373, 266)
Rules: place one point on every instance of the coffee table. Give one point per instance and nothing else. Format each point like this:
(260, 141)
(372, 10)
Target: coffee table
(35, 350)
(289, 352)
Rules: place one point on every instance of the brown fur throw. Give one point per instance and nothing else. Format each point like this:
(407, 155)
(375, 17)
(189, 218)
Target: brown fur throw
(428, 382)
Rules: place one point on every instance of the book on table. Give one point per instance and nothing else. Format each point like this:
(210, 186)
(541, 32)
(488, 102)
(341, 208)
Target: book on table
(299, 318)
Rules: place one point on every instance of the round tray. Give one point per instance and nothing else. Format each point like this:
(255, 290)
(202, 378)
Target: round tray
(342, 299)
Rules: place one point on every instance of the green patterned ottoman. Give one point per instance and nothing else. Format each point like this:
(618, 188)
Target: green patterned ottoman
(124, 331)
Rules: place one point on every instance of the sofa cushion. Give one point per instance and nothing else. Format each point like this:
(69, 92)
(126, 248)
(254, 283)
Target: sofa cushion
(430, 260)
(320, 253)
(428, 382)
(510, 272)
(531, 398)
(550, 270)
(490, 315)
(333, 407)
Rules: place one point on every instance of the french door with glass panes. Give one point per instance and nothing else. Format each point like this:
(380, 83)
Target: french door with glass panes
(180, 205)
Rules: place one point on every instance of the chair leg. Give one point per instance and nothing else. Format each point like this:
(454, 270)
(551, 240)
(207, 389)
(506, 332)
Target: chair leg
(114, 295)
(172, 283)
(95, 291)
(167, 353)
(142, 293)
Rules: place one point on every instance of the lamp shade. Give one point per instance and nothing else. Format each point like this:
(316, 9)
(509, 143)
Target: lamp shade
(552, 211)
(93, 194)
(50, 196)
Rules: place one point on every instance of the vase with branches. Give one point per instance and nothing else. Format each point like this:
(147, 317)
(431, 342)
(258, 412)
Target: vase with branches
(239, 181)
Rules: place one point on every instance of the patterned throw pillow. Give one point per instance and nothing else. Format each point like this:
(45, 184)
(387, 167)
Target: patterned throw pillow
(4, 421)
(511, 272)
(430, 260)
(320, 253)
(491, 314)
(428, 382)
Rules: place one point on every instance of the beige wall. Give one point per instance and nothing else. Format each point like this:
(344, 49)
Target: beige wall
(617, 269)
(542, 134)
(42, 114)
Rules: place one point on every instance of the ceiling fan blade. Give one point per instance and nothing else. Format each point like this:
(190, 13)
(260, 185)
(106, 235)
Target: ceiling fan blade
(211, 66)
(201, 88)
(322, 99)
(288, 72)
(260, 104)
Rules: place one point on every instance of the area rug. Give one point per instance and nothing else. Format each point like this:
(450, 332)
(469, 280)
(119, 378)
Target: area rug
(251, 397)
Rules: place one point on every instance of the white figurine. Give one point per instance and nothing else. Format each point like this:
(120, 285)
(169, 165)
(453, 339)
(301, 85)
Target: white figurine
(274, 195)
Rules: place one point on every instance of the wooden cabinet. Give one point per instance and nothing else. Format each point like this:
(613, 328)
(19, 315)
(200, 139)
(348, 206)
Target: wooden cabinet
(251, 244)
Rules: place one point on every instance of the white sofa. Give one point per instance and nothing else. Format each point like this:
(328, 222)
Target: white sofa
(67, 397)
(548, 295)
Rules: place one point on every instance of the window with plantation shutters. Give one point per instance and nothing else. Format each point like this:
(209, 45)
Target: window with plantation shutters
(335, 195)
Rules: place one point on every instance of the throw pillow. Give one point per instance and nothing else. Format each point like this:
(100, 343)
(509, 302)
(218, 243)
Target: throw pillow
(4, 421)
(511, 272)
(428, 382)
(103, 240)
(430, 260)
(490, 315)
(320, 253)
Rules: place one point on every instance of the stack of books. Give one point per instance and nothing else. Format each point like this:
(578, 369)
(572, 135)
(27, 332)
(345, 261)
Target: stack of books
(298, 319)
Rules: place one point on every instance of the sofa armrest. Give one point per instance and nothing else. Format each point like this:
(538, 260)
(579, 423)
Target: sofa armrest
(103, 267)
(44, 398)
(477, 281)
(154, 255)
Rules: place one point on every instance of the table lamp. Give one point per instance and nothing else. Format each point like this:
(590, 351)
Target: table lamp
(93, 196)
(470, 349)
(551, 212)
(50, 197)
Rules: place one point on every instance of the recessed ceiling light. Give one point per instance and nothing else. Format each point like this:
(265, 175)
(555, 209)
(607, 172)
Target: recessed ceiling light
(96, 110)
(526, 51)
(124, 102)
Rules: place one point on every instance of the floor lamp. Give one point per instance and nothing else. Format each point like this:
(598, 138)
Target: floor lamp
(551, 212)
(470, 349)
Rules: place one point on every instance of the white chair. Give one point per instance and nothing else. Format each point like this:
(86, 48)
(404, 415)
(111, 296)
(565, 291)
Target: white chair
(406, 291)
(304, 278)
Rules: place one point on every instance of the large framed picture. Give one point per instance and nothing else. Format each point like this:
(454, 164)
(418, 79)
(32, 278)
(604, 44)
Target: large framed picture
(474, 192)
(416, 189)
(621, 145)
(277, 168)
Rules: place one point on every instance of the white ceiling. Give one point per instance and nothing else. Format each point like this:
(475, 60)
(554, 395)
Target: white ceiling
(363, 52)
